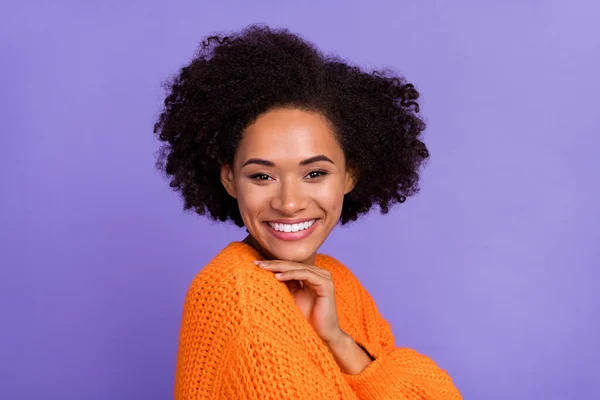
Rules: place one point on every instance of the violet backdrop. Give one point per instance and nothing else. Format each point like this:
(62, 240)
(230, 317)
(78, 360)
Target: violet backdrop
(492, 269)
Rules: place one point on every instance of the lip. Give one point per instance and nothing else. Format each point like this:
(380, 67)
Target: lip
(291, 221)
(292, 236)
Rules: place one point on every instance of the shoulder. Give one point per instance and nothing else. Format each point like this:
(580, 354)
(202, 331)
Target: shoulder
(231, 282)
(231, 261)
(219, 271)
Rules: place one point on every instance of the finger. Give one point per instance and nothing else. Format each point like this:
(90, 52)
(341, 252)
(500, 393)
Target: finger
(318, 283)
(279, 266)
(282, 266)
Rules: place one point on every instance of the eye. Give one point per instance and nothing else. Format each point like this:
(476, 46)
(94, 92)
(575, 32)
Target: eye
(260, 177)
(316, 174)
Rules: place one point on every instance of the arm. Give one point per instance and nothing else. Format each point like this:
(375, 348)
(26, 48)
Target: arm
(209, 327)
(350, 356)
(278, 354)
(395, 373)
(272, 362)
(240, 341)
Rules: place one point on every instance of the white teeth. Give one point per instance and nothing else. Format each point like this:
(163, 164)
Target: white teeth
(292, 227)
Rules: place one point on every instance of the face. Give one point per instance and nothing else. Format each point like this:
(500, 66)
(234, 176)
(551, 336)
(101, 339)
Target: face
(289, 178)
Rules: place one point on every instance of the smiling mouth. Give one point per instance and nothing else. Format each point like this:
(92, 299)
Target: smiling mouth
(288, 228)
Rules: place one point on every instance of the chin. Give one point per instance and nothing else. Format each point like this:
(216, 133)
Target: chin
(296, 252)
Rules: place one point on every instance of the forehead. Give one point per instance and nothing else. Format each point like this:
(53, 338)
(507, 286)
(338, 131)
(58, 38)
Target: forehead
(289, 134)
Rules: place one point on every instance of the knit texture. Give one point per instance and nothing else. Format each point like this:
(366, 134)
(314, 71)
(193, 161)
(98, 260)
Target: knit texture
(242, 337)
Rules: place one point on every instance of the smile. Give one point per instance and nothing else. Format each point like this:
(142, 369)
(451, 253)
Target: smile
(291, 232)
(292, 227)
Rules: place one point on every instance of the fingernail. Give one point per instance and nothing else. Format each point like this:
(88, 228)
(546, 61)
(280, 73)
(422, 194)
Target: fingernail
(261, 264)
(278, 275)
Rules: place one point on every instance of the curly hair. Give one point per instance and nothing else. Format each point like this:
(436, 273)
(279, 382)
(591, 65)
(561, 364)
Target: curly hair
(234, 79)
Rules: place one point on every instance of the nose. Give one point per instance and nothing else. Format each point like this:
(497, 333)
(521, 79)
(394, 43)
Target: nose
(290, 198)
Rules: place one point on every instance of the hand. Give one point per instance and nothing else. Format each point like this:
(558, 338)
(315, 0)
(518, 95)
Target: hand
(313, 292)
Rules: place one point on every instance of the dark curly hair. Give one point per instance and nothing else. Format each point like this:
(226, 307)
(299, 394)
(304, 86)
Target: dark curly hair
(234, 79)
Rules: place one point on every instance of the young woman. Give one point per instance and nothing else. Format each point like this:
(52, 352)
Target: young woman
(263, 130)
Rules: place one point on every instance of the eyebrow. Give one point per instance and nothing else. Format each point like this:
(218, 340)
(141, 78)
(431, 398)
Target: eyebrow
(267, 163)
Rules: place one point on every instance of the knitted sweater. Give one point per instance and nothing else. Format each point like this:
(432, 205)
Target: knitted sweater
(242, 337)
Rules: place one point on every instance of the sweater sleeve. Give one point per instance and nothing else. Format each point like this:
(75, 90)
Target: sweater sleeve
(396, 373)
(240, 340)
(270, 364)
(275, 357)
(210, 328)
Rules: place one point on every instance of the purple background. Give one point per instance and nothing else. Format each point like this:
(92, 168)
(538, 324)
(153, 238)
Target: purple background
(492, 269)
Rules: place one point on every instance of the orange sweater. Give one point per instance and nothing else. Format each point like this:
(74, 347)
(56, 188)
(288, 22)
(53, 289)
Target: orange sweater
(242, 337)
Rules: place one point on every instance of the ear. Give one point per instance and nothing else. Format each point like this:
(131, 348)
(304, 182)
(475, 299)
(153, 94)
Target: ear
(351, 180)
(227, 180)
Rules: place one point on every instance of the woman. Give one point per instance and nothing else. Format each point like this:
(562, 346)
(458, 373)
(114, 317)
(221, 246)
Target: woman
(265, 131)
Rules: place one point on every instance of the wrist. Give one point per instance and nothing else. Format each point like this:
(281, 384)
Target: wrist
(339, 341)
(351, 358)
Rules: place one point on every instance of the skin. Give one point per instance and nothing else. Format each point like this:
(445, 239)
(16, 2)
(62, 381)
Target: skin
(289, 165)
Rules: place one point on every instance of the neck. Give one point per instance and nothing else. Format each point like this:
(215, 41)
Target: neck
(254, 243)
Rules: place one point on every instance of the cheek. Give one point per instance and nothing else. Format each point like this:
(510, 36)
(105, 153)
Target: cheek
(331, 197)
(251, 199)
